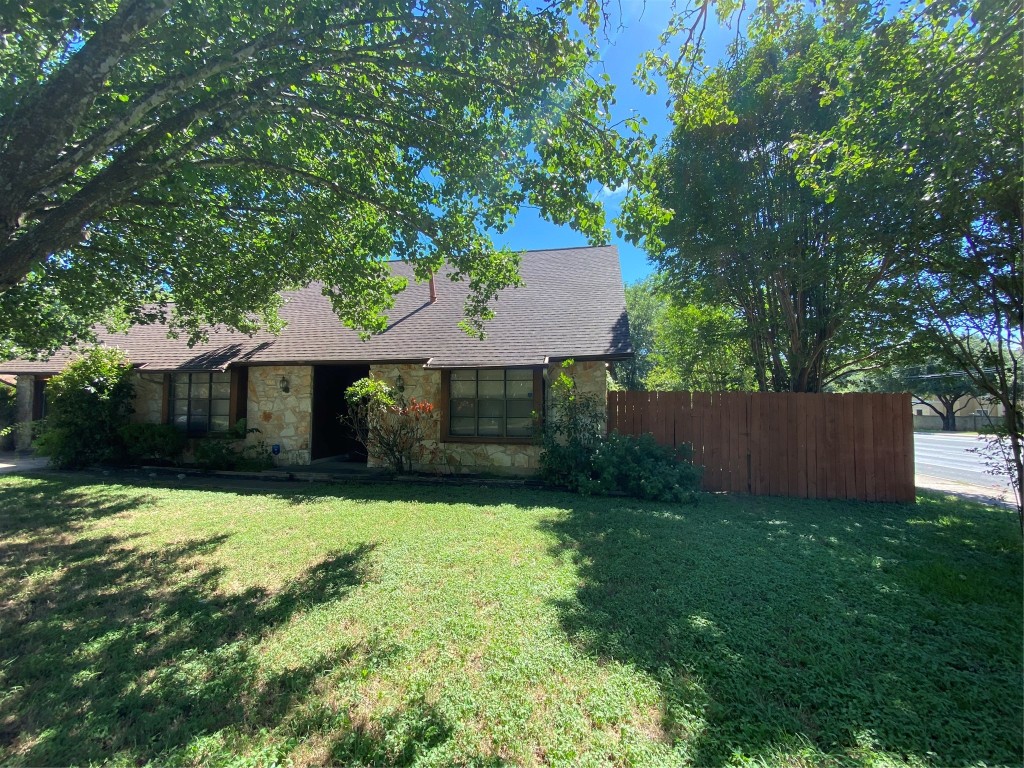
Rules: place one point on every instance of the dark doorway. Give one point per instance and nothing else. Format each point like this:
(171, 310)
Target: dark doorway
(330, 436)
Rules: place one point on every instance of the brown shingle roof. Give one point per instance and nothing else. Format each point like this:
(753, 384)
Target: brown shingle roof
(571, 305)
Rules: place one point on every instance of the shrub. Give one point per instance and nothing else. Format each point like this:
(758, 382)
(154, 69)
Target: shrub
(640, 467)
(576, 455)
(388, 426)
(571, 433)
(8, 417)
(88, 404)
(228, 452)
(152, 442)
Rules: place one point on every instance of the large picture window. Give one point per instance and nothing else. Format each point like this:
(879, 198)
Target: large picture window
(201, 402)
(492, 403)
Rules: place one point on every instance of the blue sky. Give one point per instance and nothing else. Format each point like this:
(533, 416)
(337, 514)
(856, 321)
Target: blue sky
(621, 50)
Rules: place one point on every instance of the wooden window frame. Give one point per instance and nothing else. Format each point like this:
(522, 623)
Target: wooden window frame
(538, 408)
(237, 398)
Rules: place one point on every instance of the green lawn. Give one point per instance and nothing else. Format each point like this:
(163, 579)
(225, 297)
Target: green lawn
(398, 624)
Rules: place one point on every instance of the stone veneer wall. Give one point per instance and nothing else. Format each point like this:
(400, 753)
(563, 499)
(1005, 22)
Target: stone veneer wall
(149, 398)
(23, 393)
(284, 418)
(457, 457)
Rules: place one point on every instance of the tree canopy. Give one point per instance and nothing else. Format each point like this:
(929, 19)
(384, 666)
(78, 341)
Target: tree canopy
(745, 233)
(216, 152)
(933, 123)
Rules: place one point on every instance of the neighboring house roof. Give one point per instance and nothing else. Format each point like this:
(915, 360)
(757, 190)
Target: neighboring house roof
(571, 304)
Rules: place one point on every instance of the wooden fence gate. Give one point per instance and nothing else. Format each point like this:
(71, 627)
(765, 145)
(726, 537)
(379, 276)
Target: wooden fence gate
(824, 446)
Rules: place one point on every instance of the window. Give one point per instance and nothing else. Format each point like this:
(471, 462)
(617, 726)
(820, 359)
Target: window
(201, 402)
(492, 404)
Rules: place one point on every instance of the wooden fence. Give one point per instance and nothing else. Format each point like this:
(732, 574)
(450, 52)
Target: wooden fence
(854, 446)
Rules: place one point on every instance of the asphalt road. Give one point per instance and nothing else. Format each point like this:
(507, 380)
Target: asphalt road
(947, 456)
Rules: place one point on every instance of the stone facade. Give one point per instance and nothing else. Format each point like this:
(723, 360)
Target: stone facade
(24, 392)
(455, 457)
(283, 418)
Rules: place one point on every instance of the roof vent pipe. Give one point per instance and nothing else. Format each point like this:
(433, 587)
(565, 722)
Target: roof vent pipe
(433, 291)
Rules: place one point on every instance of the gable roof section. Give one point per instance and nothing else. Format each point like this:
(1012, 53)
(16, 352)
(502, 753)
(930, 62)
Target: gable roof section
(571, 304)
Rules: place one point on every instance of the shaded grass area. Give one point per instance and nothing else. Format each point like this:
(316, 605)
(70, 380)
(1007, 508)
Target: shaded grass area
(396, 625)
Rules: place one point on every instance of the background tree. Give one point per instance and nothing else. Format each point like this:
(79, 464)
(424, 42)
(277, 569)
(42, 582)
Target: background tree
(933, 120)
(217, 152)
(643, 306)
(816, 301)
(926, 382)
(700, 349)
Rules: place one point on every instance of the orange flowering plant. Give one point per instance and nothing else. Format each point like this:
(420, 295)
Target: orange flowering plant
(389, 426)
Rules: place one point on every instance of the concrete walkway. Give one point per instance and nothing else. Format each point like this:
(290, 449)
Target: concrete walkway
(13, 462)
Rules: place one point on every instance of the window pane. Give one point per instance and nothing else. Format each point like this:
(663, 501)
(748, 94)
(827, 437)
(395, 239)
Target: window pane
(463, 389)
(181, 421)
(221, 377)
(489, 426)
(520, 427)
(200, 388)
(518, 374)
(492, 388)
(180, 407)
(492, 408)
(219, 423)
(463, 409)
(492, 374)
(219, 407)
(463, 426)
(521, 409)
(465, 374)
(221, 390)
(519, 389)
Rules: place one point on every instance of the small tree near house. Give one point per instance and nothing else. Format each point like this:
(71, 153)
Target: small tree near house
(390, 427)
(932, 381)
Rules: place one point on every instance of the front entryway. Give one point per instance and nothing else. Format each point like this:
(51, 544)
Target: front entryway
(331, 437)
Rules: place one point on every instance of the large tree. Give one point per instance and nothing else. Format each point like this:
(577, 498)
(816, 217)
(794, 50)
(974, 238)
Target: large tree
(644, 304)
(216, 152)
(933, 119)
(700, 348)
(745, 233)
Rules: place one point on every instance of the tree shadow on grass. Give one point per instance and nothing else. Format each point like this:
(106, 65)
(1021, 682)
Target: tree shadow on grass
(781, 628)
(107, 649)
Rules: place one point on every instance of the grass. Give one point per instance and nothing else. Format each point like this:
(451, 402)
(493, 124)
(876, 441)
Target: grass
(398, 625)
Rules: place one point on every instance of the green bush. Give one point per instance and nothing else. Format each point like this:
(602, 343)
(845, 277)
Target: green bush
(8, 417)
(576, 455)
(640, 467)
(390, 427)
(227, 452)
(88, 405)
(571, 434)
(144, 443)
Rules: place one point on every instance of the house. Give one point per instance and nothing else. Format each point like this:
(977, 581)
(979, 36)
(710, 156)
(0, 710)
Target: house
(290, 387)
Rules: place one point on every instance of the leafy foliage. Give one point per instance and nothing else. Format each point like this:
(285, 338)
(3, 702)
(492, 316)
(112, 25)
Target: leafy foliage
(573, 429)
(158, 145)
(745, 234)
(390, 427)
(152, 442)
(932, 120)
(230, 452)
(643, 307)
(88, 404)
(641, 468)
(700, 348)
(578, 455)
